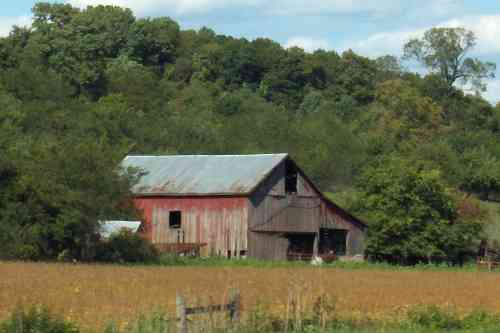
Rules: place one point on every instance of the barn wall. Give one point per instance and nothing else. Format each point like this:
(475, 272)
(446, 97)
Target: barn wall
(273, 214)
(267, 246)
(337, 219)
(221, 222)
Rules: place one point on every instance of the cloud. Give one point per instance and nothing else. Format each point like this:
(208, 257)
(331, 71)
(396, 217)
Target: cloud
(6, 23)
(485, 27)
(376, 8)
(328, 7)
(177, 7)
(308, 44)
(492, 94)
(383, 43)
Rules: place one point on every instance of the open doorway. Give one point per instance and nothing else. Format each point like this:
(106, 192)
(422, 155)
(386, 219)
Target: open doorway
(333, 240)
(300, 246)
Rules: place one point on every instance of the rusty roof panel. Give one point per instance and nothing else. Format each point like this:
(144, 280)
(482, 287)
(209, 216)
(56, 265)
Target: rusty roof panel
(201, 174)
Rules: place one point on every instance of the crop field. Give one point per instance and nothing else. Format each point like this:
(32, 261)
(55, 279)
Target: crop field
(92, 295)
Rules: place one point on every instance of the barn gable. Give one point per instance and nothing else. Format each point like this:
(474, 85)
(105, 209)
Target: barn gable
(289, 211)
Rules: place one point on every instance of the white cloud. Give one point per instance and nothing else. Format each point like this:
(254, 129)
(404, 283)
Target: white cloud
(323, 7)
(383, 43)
(178, 7)
(6, 23)
(274, 7)
(308, 44)
(493, 92)
(486, 28)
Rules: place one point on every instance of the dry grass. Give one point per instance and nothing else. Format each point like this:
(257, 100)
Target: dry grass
(95, 294)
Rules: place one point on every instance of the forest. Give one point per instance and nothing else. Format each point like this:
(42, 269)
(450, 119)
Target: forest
(417, 156)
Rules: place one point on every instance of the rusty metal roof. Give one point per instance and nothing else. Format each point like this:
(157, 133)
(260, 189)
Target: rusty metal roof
(201, 174)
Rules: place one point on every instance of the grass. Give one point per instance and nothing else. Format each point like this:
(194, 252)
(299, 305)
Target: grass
(93, 295)
(168, 260)
(420, 320)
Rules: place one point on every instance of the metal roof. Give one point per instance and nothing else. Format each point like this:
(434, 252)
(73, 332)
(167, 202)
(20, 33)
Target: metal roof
(110, 227)
(201, 174)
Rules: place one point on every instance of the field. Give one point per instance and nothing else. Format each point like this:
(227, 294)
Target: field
(92, 295)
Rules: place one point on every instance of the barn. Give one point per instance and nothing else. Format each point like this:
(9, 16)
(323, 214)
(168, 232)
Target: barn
(260, 206)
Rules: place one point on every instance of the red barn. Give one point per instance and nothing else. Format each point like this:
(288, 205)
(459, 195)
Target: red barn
(261, 206)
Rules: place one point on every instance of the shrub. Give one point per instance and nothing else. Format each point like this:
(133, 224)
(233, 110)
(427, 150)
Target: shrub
(126, 246)
(433, 317)
(156, 322)
(36, 320)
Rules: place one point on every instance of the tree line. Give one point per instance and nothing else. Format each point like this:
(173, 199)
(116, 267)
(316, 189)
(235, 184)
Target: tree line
(412, 154)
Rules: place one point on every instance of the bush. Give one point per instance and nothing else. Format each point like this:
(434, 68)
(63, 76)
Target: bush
(126, 247)
(36, 320)
(433, 317)
(156, 322)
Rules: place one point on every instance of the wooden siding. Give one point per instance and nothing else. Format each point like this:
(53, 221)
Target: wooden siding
(273, 215)
(220, 222)
(260, 224)
(336, 219)
(267, 246)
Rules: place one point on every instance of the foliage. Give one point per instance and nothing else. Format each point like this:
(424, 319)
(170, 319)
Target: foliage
(126, 247)
(443, 51)
(82, 88)
(414, 216)
(36, 320)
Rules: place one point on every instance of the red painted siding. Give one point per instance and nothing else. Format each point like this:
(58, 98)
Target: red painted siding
(221, 222)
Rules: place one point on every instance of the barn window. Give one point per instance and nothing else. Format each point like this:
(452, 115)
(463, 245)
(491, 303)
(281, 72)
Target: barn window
(174, 219)
(290, 177)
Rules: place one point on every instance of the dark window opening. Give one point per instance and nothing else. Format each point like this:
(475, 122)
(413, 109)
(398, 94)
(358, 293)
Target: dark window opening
(333, 240)
(290, 177)
(174, 219)
(300, 246)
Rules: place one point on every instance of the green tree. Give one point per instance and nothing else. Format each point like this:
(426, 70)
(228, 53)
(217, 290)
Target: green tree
(61, 192)
(78, 44)
(413, 214)
(153, 42)
(444, 51)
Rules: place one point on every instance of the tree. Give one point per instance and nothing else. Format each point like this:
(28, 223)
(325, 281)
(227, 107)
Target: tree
(62, 189)
(413, 215)
(153, 42)
(444, 51)
(78, 44)
(480, 173)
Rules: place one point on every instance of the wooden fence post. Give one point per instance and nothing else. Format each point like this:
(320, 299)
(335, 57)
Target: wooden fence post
(234, 306)
(181, 314)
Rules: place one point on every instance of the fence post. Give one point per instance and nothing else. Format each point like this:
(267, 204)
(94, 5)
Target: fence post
(181, 314)
(234, 306)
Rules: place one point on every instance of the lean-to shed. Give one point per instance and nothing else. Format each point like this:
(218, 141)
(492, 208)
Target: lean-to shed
(261, 206)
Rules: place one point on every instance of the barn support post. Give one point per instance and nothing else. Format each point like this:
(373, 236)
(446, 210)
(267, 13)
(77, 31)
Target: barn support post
(181, 314)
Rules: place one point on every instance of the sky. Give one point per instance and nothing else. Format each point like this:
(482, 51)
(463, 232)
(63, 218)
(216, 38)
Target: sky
(369, 27)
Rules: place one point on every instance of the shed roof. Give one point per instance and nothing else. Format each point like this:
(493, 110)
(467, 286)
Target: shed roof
(201, 174)
(110, 227)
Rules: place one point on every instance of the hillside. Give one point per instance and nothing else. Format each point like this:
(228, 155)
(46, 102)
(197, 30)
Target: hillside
(83, 88)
